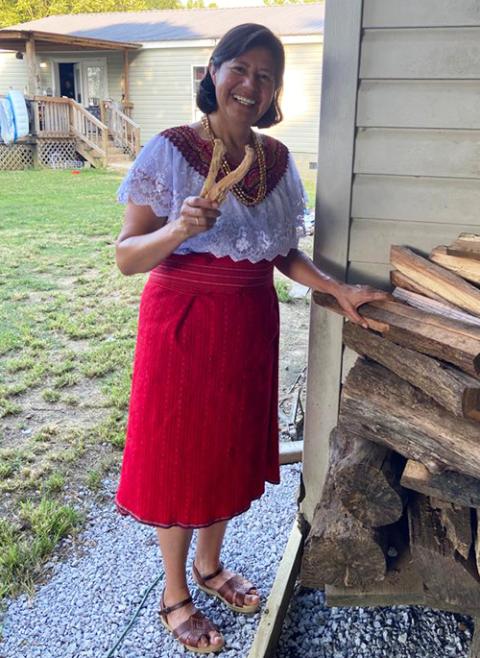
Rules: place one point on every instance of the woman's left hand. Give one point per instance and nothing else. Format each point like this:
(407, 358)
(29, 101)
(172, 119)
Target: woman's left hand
(350, 297)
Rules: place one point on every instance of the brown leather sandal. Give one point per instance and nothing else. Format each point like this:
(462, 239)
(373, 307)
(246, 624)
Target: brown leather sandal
(232, 592)
(190, 632)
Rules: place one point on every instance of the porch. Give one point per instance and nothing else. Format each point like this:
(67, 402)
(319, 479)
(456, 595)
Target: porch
(72, 115)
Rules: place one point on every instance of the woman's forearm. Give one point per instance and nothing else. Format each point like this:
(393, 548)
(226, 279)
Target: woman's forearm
(141, 253)
(298, 267)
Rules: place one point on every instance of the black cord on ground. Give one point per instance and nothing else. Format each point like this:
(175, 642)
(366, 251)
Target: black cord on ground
(130, 624)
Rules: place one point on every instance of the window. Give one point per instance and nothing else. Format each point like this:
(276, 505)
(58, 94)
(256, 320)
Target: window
(198, 73)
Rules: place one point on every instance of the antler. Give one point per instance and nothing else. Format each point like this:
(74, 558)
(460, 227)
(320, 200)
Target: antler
(218, 191)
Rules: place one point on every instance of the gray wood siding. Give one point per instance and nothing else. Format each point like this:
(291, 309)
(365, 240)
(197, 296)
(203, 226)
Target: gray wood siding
(13, 72)
(417, 149)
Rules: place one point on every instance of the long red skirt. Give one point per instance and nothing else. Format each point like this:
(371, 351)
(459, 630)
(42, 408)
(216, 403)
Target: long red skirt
(202, 434)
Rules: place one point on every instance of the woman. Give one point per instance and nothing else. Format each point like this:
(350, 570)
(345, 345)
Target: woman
(202, 435)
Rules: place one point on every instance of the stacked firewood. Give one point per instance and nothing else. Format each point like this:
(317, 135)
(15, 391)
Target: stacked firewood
(397, 521)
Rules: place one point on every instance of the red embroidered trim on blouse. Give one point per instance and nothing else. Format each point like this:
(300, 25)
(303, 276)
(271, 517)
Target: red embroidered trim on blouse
(198, 153)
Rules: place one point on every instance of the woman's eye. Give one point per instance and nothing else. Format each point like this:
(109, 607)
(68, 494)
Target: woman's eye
(238, 69)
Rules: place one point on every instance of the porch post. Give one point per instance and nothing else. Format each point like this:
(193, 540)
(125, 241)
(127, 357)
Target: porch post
(126, 90)
(343, 24)
(33, 77)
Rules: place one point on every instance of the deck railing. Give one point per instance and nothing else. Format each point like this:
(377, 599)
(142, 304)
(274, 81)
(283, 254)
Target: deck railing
(51, 116)
(89, 129)
(125, 132)
(64, 117)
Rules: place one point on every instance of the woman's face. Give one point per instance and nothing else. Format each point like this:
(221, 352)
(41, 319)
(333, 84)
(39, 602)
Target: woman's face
(245, 85)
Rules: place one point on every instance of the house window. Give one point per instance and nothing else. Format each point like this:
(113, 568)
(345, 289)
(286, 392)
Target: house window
(198, 73)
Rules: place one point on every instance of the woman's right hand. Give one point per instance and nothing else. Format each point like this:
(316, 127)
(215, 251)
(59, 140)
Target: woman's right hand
(197, 215)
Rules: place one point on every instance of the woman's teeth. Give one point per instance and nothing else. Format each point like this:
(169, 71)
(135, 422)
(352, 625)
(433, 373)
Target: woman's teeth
(243, 100)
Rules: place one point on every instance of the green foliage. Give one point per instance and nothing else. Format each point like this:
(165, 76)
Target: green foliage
(275, 3)
(21, 11)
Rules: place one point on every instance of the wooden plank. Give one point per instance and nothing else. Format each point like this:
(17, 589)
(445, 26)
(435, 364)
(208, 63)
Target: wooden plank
(445, 339)
(401, 281)
(291, 452)
(406, 152)
(336, 146)
(452, 389)
(435, 306)
(407, 198)
(475, 645)
(371, 239)
(442, 104)
(467, 268)
(446, 576)
(402, 585)
(427, 13)
(466, 245)
(433, 277)
(421, 53)
(270, 625)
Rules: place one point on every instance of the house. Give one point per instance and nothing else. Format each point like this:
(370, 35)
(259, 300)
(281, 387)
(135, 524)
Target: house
(149, 64)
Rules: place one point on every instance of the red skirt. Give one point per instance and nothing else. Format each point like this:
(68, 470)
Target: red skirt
(202, 435)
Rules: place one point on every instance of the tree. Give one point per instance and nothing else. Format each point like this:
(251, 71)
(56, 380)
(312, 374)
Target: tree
(21, 11)
(274, 3)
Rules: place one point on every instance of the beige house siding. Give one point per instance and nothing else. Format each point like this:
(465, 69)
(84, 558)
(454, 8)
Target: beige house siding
(417, 148)
(13, 72)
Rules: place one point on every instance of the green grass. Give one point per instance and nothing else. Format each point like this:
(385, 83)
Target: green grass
(67, 330)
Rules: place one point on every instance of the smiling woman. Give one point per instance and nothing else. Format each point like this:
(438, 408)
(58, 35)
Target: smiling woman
(202, 435)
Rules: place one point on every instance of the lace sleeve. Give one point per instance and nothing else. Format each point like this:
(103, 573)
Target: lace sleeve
(297, 197)
(149, 181)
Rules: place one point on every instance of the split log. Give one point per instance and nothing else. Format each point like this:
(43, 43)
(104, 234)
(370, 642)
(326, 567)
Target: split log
(339, 549)
(457, 523)
(379, 406)
(399, 280)
(476, 545)
(452, 389)
(366, 481)
(467, 268)
(434, 306)
(445, 339)
(445, 573)
(467, 244)
(433, 277)
(449, 486)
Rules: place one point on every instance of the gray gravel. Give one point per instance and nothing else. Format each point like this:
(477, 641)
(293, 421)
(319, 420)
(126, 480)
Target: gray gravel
(313, 631)
(92, 595)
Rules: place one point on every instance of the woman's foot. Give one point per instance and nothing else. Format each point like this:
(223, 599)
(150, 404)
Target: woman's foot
(235, 591)
(188, 625)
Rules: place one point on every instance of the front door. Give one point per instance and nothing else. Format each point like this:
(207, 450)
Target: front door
(94, 82)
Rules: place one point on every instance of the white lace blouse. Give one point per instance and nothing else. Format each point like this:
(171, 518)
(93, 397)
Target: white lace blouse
(162, 177)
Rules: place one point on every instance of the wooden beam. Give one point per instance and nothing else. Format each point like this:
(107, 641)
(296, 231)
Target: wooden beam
(343, 28)
(126, 82)
(33, 78)
(291, 452)
(270, 626)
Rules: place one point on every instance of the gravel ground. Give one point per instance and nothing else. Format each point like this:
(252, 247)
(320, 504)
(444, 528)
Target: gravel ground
(91, 597)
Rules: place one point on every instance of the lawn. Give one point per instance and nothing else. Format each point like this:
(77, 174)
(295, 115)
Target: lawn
(67, 329)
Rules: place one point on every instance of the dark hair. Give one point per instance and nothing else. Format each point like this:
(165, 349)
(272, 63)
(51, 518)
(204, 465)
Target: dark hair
(234, 43)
